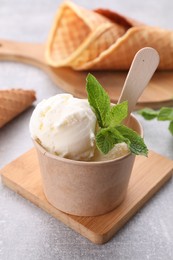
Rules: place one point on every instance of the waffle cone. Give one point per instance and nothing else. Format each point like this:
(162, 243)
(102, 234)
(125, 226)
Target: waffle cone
(13, 102)
(76, 31)
(103, 40)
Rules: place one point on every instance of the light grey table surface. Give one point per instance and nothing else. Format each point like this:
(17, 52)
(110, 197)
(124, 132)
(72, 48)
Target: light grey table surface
(27, 232)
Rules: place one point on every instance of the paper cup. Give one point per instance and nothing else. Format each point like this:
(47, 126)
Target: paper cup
(86, 188)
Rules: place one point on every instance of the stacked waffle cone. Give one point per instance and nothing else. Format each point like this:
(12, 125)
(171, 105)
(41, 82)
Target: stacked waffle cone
(13, 102)
(102, 40)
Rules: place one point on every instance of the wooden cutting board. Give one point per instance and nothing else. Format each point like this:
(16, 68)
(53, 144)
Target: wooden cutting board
(149, 174)
(158, 93)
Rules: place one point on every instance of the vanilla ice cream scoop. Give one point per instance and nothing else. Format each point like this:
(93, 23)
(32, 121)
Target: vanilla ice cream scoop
(119, 150)
(65, 126)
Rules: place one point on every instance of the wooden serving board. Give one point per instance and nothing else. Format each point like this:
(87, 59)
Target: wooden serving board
(149, 174)
(158, 93)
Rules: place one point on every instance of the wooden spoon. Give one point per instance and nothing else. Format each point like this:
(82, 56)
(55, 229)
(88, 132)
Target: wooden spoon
(142, 69)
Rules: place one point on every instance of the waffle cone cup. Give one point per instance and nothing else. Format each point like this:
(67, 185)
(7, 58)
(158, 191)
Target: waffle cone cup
(13, 102)
(103, 40)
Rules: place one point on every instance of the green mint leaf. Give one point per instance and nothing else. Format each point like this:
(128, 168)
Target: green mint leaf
(106, 138)
(98, 100)
(110, 119)
(148, 113)
(136, 143)
(104, 141)
(171, 127)
(165, 113)
(117, 114)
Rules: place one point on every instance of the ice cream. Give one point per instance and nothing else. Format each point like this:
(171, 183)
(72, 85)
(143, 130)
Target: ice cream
(75, 128)
(66, 126)
(118, 150)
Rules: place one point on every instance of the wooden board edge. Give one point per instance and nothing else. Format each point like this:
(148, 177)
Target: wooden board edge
(94, 237)
(109, 234)
(68, 221)
(64, 86)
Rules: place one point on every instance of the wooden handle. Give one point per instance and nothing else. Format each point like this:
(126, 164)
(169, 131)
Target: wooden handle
(22, 52)
(142, 69)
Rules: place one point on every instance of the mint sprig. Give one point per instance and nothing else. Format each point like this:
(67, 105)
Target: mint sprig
(135, 142)
(117, 114)
(164, 114)
(106, 138)
(110, 118)
(148, 113)
(98, 99)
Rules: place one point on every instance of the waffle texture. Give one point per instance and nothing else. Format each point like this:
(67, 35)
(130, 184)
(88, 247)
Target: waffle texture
(102, 40)
(13, 102)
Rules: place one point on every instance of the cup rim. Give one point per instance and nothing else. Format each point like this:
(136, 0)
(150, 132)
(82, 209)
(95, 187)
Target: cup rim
(85, 163)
